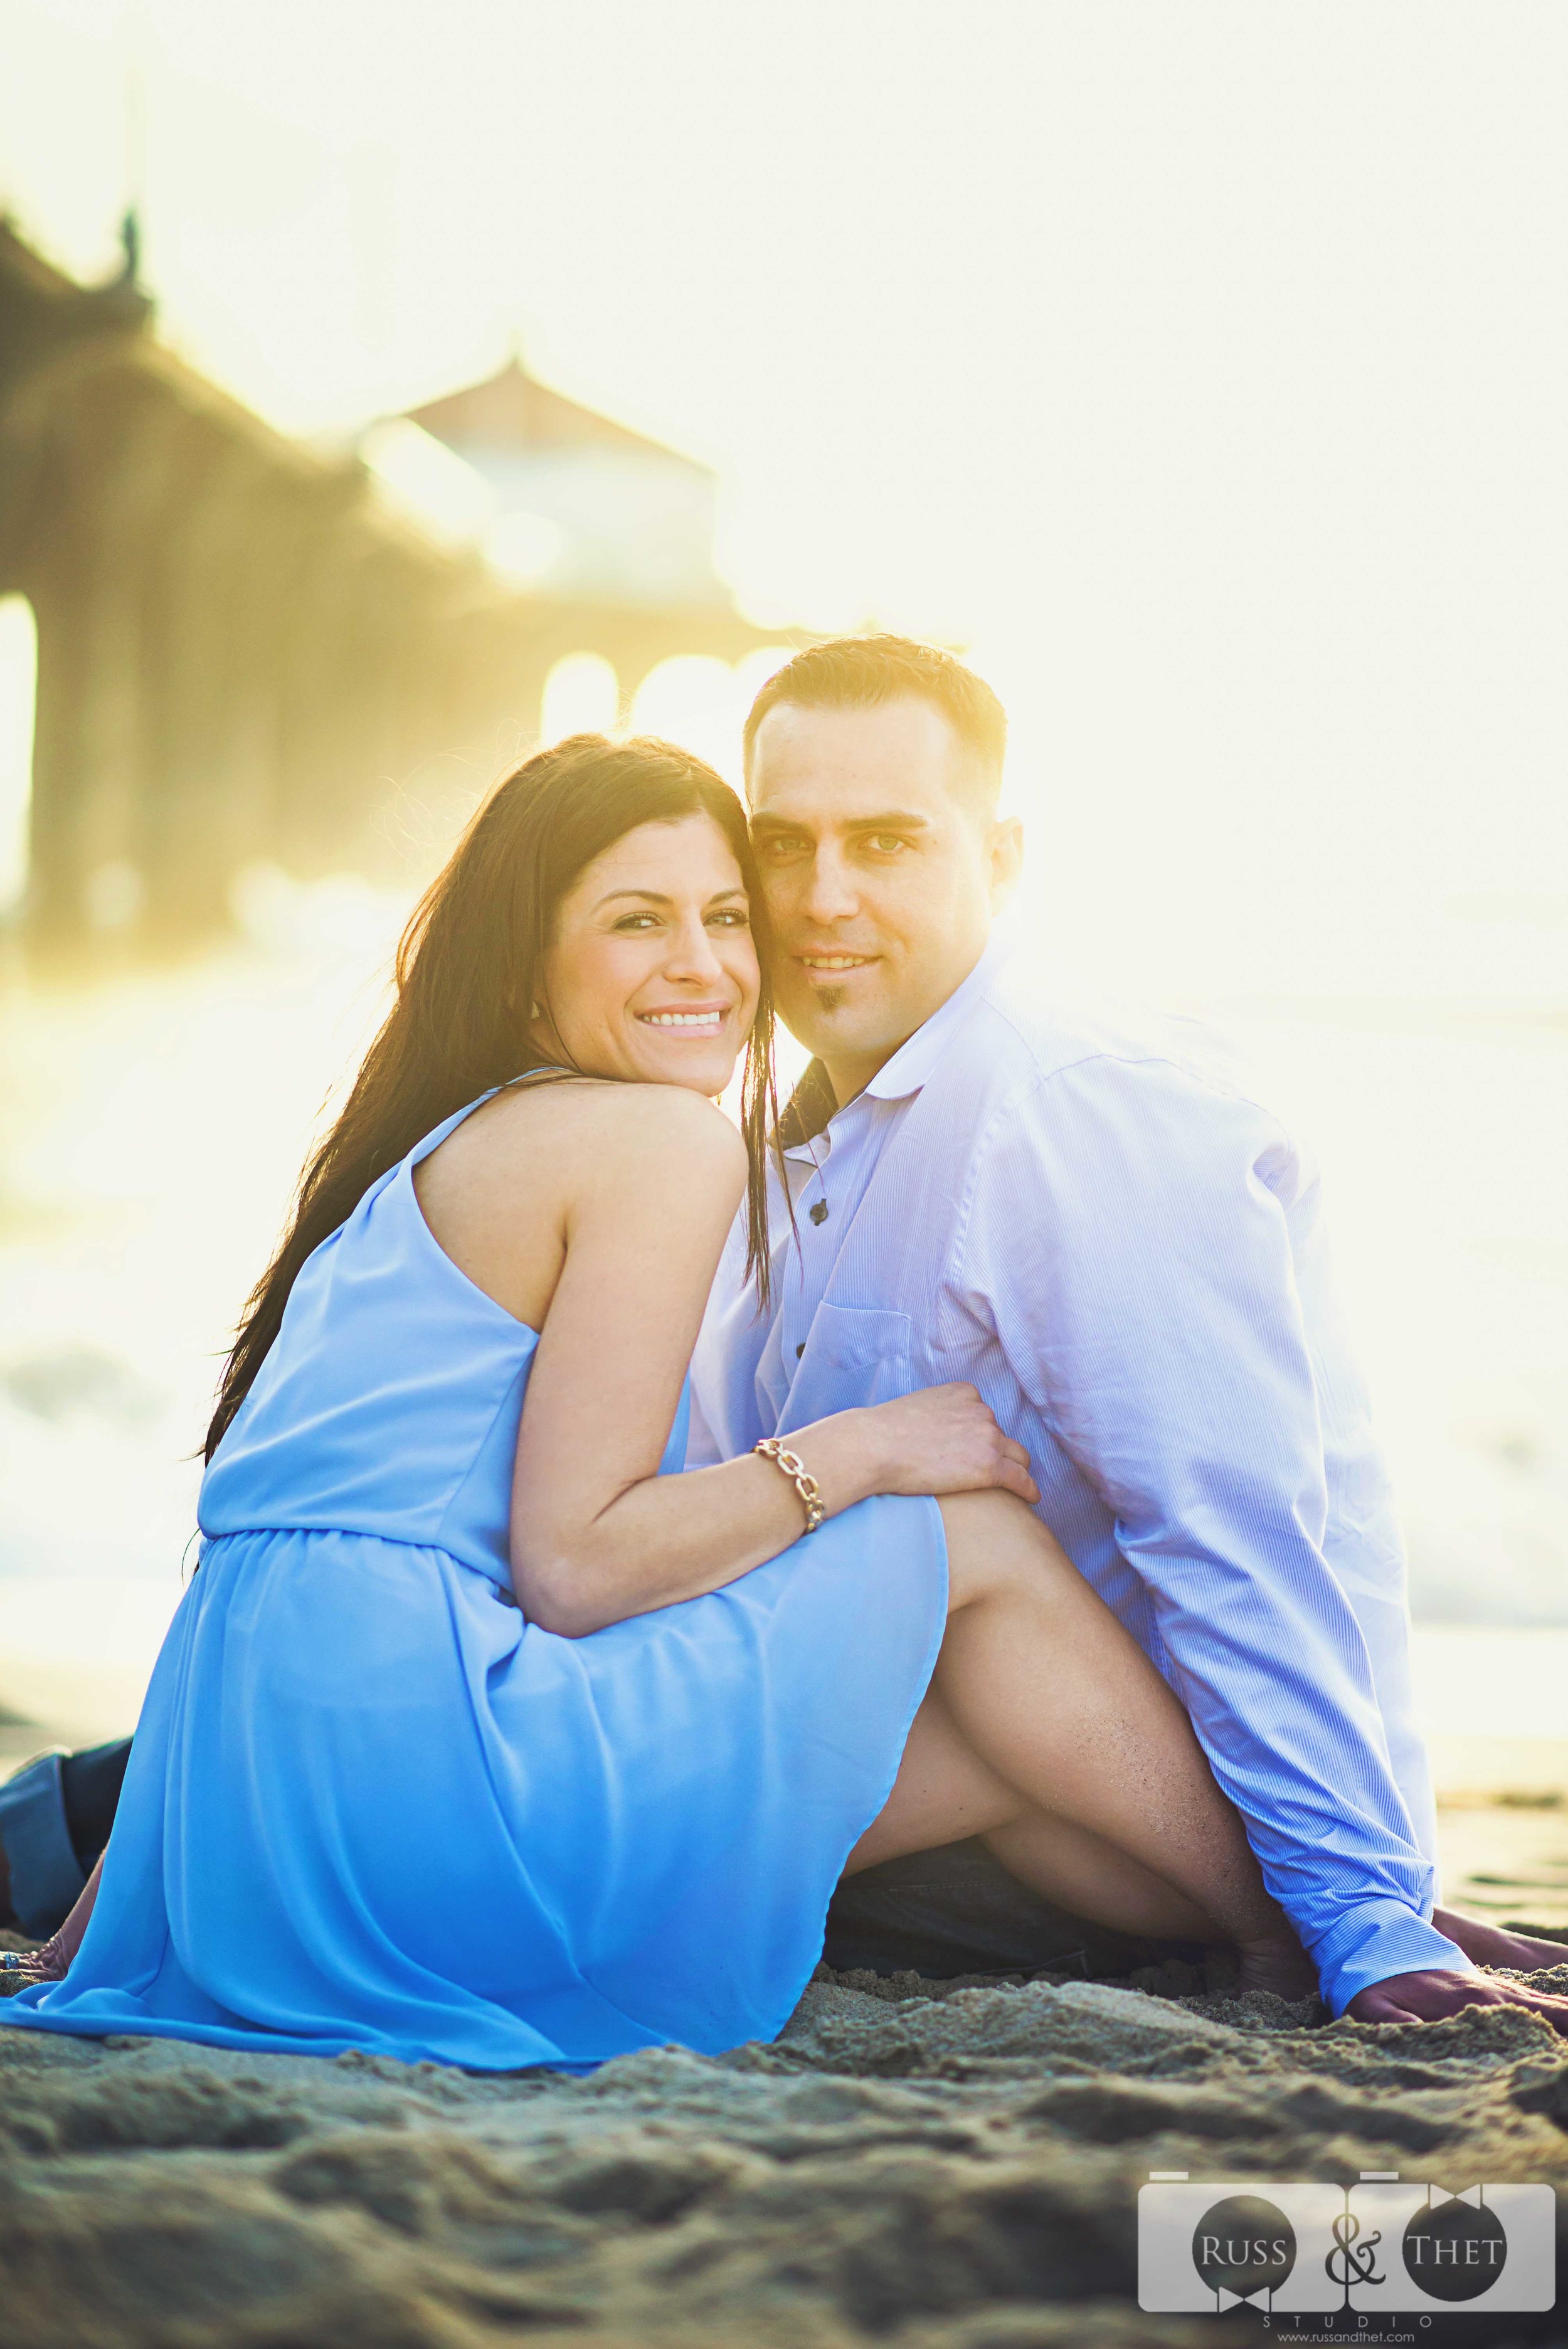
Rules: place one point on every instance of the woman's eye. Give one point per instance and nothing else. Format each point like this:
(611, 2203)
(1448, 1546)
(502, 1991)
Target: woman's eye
(733, 917)
(637, 922)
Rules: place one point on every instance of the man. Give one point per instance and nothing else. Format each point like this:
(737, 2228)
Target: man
(1123, 1251)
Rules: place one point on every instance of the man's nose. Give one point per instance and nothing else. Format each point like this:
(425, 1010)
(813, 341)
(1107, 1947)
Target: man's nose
(830, 894)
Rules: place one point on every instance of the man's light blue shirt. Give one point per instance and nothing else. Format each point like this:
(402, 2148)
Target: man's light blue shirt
(1106, 1234)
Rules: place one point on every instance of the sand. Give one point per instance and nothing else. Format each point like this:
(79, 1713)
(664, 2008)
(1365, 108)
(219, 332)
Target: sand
(941, 2166)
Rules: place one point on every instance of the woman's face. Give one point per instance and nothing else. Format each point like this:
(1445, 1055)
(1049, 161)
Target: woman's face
(652, 973)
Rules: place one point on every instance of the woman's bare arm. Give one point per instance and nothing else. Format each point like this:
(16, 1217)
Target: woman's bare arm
(652, 1180)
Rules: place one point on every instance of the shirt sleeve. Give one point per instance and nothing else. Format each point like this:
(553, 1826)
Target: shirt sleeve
(1148, 1307)
(724, 1363)
(702, 1445)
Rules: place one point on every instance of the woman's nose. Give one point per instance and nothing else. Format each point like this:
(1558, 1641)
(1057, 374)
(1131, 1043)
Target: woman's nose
(692, 954)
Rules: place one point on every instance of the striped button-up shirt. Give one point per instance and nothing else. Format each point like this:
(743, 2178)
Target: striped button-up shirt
(1106, 1234)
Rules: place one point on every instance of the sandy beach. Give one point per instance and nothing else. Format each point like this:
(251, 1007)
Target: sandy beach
(944, 2166)
(950, 2167)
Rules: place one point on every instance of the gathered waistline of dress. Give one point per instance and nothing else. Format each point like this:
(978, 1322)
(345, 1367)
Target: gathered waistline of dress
(356, 1533)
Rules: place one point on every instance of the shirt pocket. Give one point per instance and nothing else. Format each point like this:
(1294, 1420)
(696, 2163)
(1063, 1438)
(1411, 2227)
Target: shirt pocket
(854, 1354)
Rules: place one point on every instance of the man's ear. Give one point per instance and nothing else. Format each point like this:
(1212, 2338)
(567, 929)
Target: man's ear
(1005, 850)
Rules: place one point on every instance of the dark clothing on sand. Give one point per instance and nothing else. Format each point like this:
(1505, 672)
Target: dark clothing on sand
(54, 1818)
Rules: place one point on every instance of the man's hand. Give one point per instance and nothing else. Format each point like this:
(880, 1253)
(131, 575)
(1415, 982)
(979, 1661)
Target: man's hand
(1433, 1996)
(1494, 1945)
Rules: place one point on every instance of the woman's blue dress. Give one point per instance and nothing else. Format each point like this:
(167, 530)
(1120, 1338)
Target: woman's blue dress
(370, 1806)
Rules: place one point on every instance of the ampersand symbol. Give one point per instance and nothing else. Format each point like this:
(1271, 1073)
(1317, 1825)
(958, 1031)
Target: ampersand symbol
(1358, 2267)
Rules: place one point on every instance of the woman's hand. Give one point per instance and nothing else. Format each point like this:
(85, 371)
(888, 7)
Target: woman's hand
(51, 1962)
(22, 1968)
(943, 1440)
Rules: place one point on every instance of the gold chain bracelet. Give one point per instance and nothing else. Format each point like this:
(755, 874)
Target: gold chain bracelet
(772, 1448)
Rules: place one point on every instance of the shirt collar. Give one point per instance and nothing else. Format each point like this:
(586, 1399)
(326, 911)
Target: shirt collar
(811, 1106)
(914, 1062)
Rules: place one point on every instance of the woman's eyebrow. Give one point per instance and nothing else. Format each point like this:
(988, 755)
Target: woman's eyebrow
(658, 897)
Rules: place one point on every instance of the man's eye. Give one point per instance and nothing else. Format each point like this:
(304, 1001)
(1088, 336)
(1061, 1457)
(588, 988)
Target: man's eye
(887, 843)
(779, 844)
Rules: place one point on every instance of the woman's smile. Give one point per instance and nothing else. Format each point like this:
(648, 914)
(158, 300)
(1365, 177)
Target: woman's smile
(652, 975)
(705, 1020)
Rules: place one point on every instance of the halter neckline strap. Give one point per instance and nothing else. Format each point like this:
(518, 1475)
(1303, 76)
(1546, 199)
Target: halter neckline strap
(545, 1069)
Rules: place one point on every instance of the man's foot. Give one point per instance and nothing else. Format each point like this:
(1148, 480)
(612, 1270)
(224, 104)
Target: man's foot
(1278, 1964)
(1433, 1997)
(1495, 1945)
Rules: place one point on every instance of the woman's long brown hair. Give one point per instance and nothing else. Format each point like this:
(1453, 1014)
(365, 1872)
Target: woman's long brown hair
(466, 985)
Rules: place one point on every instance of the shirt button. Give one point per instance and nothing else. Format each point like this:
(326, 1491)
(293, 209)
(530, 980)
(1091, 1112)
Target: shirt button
(819, 1211)
(799, 1350)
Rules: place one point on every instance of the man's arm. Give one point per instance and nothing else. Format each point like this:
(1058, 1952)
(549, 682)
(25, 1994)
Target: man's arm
(1128, 1237)
(703, 1447)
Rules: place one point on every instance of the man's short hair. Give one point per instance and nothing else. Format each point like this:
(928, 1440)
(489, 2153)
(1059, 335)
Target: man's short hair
(863, 672)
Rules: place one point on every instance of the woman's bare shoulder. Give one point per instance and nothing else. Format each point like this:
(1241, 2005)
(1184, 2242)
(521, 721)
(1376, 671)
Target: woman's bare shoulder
(595, 1132)
(615, 1166)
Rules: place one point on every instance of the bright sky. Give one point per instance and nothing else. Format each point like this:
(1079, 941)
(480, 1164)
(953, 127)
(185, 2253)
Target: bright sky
(1203, 366)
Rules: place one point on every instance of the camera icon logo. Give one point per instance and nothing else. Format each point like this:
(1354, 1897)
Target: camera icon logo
(1243, 2245)
(1382, 2246)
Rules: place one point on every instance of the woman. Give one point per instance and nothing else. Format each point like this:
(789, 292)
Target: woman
(480, 1735)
